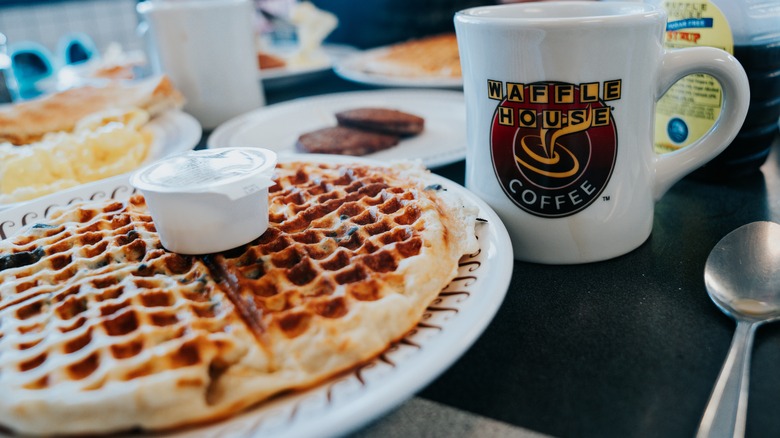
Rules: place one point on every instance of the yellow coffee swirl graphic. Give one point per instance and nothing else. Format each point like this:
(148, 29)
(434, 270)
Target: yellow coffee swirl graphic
(552, 157)
(554, 144)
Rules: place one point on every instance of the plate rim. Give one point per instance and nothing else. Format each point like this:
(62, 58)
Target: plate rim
(347, 69)
(220, 137)
(401, 385)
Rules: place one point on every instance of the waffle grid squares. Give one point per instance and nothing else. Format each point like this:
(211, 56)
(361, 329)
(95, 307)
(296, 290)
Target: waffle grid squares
(331, 239)
(105, 298)
(92, 306)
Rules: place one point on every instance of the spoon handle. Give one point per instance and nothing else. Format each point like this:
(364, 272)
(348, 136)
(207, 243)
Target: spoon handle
(727, 408)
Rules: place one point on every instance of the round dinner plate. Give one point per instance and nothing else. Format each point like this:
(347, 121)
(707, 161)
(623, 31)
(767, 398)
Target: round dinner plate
(284, 77)
(173, 132)
(450, 325)
(353, 68)
(277, 127)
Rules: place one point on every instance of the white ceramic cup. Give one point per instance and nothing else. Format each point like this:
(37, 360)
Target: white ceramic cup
(560, 100)
(207, 48)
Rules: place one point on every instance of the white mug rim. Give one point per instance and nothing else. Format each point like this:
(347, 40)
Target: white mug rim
(562, 13)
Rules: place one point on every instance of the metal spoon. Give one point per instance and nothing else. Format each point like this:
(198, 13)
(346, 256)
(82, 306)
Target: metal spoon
(742, 276)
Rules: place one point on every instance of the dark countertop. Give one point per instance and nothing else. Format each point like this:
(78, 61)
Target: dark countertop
(626, 347)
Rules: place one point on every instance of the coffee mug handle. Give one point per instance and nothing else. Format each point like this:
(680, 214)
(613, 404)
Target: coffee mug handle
(671, 167)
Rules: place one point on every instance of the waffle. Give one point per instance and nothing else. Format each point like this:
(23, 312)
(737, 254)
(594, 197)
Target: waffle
(350, 261)
(432, 56)
(102, 330)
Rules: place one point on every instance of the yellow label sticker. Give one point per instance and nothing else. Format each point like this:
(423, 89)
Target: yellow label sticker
(690, 107)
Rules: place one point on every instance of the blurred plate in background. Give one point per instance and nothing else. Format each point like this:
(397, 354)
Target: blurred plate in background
(289, 76)
(277, 127)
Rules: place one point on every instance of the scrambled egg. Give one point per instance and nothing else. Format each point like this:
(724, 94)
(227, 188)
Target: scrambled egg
(313, 25)
(102, 145)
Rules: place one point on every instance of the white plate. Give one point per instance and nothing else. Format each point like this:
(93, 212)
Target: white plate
(283, 77)
(277, 127)
(353, 68)
(449, 327)
(173, 131)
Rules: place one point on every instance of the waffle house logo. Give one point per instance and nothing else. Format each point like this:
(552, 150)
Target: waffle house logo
(553, 144)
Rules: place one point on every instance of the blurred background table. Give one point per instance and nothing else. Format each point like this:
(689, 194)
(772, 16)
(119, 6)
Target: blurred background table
(626, 347)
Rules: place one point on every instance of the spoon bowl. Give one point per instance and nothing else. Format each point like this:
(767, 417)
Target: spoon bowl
(742, 276)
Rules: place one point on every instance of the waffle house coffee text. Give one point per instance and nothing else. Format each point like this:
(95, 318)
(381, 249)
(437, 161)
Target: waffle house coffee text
(553, 144)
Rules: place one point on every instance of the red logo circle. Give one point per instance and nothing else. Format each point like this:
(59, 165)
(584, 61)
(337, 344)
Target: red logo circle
(553, 146)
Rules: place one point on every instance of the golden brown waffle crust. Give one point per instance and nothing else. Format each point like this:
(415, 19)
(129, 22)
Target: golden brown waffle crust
(433, 56)
(257, 357)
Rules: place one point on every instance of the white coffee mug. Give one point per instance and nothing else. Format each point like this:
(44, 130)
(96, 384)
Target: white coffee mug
(560, 100)
(207, 48)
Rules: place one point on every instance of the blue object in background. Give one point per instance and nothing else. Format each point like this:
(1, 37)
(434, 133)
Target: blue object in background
(31, 64)
(677, 130)
(76, 48)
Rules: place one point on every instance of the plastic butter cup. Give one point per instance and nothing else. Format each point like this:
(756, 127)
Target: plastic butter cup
(208, 201)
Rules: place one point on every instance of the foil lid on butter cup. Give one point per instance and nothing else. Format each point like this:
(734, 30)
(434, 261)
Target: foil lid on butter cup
(234, 172)
(208, 201)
